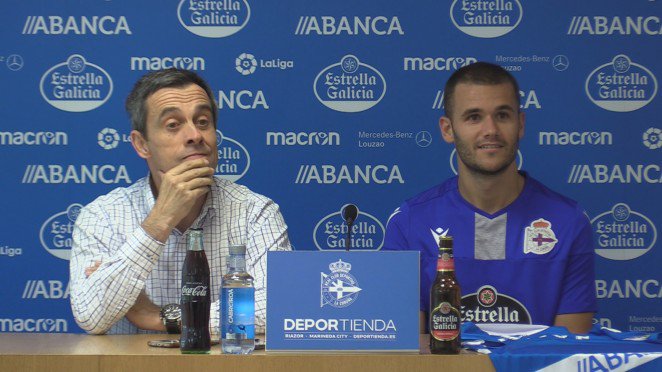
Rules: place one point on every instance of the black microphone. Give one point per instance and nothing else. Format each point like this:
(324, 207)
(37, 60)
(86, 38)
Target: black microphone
(349, 213)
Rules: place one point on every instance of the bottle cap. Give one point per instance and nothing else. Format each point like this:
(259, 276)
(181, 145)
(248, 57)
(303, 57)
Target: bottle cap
(237, 249)
(446, 241)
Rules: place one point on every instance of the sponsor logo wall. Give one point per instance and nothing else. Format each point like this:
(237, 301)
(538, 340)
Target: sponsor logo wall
(341, 105)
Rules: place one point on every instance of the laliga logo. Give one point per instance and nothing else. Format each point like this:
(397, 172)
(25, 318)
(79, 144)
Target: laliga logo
(623, 234)
(55, 233)
(486, 18)
(76, 85)
(213, 18)
(349, 86)
(233, 158)
(621, 86)
(453, 160)
(367, 232)
(108, 138)
(340, 288)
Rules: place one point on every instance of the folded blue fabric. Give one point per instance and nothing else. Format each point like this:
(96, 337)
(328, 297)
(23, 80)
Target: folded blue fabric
(554, 348)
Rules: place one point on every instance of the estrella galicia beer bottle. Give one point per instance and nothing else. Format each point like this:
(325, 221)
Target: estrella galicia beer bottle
(445, 305)
(195, 301)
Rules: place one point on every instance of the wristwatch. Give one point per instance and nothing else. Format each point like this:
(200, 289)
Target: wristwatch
(171, 316)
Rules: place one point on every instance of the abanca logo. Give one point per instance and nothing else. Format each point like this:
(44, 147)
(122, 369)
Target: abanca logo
(349, 85)
(209, 18)
(328, 25)
(233, 158)
(616, 25)
(623, 234)
(56, 25)
(76, 85)
(55, 233)
(621, 85)
(367, 232)
(486, 18)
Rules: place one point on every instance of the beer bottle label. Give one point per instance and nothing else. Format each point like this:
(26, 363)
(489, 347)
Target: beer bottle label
(445, 262)
(194, 292)
(238, 313)
(445, 322)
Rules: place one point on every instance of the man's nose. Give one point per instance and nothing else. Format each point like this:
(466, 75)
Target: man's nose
(193, 134)
(490, 125)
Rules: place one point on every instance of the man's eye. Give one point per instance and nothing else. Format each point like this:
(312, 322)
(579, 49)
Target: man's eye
(172, 125)
(203, 123)
(473, 118)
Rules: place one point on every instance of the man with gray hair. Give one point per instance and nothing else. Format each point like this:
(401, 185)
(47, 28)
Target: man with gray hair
(129, 245)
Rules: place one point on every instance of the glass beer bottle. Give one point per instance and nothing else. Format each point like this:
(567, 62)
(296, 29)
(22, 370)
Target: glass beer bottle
(195, 301)
(445, 304)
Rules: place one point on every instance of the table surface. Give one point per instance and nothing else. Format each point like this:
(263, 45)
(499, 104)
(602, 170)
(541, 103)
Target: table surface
(79, 352)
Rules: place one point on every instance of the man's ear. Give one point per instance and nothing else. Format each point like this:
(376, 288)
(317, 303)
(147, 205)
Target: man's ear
(139, 144)
(522, 122)
(446, 129)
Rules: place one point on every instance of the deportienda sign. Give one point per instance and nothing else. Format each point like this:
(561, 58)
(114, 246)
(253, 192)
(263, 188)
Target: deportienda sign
(349, 85)
(621, 85)
(486, 18)
(76, 85)
(213, 18)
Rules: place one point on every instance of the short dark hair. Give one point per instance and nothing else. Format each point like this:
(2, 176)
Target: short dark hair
(157, 80)
(482, 73)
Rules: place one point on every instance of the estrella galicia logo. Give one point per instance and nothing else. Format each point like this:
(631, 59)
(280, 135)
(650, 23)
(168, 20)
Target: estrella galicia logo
(233, 158)
(349, 85)
(623, 234)
(453, 160)
(621, 85)
(55, 233)
(331, 231)
(76, 85)
(213, 18)
(487, 305)
(340, 288)
(486, 18)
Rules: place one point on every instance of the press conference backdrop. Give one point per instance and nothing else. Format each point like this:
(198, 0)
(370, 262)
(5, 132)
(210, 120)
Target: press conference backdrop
(323, 103)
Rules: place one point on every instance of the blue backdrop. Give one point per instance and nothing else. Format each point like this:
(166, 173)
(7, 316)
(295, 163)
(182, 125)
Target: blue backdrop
(324, 103)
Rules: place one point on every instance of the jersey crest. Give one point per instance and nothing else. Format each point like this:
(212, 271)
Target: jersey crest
(539, 238)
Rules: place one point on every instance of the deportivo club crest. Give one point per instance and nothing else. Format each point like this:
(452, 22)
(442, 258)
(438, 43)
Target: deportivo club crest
(340, 288)
(539, 237)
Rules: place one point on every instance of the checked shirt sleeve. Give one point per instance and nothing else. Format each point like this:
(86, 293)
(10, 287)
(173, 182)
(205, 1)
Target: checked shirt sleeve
(103, 298)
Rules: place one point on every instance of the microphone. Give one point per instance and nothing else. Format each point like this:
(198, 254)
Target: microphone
(349, 214)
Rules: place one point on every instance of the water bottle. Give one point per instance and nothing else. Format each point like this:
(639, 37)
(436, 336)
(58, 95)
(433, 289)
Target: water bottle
(237, 305)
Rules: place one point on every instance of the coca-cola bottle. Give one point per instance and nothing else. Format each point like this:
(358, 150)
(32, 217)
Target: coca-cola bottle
(195, 301)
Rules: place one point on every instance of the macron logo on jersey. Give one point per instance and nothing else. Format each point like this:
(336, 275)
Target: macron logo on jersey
(396, 211)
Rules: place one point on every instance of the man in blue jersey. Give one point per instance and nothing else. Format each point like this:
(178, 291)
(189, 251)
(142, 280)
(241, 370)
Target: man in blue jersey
(523, 253)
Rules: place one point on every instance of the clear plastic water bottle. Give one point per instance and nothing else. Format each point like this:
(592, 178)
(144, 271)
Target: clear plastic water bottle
(237, 305)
